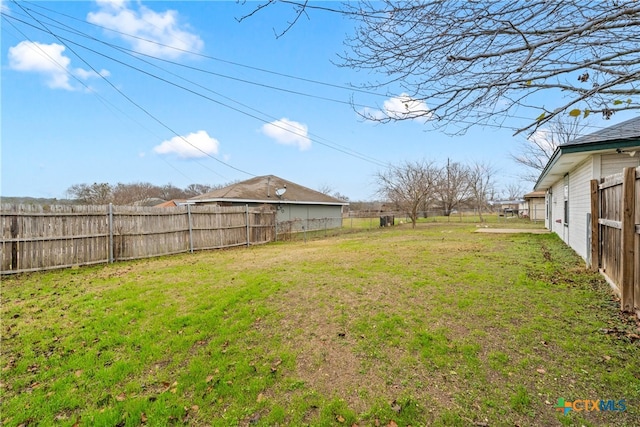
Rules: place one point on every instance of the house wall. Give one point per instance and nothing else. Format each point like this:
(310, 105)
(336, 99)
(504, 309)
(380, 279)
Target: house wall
(574, 233)
(556, 220)
(312, 217)
(614, 163)
(536, 209)
(579, 206)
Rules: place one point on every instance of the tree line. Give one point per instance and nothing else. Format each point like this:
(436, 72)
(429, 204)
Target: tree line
(422, 185)
(133, 193)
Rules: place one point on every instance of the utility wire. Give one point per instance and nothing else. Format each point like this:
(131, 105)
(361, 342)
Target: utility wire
(109, 105)
(130, 99)
(213, 58)
(77, 32)
(316, 138)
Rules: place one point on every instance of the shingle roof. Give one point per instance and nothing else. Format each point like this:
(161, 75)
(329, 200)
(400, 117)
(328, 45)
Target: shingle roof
(624, 135)
(171, 203)
(263, 189)
(629, 129)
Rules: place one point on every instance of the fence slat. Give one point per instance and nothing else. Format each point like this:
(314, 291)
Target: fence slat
(615, 206)
(595, 215)
(628, 239)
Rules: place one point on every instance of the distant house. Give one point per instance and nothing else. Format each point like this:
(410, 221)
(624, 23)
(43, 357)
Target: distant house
(566, 178)
(534, 207)
(171, 203)
(509, 208)
(296, 206)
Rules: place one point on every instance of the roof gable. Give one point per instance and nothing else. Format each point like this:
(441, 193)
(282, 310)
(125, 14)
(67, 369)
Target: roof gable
(267, 189)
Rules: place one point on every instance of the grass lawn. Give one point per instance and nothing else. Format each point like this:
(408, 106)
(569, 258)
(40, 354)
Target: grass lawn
(435, 326)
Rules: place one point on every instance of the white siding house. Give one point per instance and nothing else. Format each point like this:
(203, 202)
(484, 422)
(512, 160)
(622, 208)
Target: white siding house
(534, 206)
(566, 178)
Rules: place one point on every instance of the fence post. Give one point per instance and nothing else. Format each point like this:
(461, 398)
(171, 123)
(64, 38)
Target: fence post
(595, 228)
(190, 228)
(110, 233)
(628, 236)
(15, 231)
(246, 212)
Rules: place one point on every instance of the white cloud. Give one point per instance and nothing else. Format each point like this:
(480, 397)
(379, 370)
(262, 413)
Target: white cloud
(543, 138)
(111, 4)
(401, 108)
(372, 114)
(288, 132)
(87, 74)
(48, 60)
(193, 146)
(4, 8)
(167, 36)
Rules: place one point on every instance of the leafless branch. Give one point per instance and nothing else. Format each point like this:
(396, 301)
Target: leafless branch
(467, 64)
(477, 62)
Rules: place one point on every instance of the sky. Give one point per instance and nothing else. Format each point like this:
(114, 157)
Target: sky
(185, 92)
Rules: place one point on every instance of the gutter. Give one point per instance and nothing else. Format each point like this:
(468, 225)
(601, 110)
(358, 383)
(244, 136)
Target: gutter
(581, 148)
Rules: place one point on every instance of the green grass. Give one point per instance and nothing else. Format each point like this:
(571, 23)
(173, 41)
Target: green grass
(432, 326)
(492, 220)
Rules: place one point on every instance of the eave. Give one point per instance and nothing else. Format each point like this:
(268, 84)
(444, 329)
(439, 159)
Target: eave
(567, 157)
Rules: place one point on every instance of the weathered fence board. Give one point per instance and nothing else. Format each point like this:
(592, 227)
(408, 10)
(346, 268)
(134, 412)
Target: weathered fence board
(39, 238)
(616, 205)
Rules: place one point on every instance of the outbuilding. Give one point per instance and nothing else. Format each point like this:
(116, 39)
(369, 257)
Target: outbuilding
(297, 207)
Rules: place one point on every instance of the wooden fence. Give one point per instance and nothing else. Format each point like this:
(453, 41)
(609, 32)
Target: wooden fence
(46, 237)
(615, 231)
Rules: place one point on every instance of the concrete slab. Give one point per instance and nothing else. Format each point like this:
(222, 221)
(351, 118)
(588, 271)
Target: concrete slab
(513, 230)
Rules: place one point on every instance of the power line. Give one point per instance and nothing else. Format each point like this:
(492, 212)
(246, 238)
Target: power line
(122, 49)
(131, 100)
(75, 31)
(213, 58)
(316, 138)
(106, 102)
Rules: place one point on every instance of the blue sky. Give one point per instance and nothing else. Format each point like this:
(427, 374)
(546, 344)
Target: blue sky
(74, 110)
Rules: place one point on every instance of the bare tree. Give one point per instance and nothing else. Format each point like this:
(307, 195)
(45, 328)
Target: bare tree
(328, 190)
(325, 189)
(170, 192)
(513, 191)
(94, 194)
(452, 186)
(481, 185)
(407, 185)
(477, 62)
(471, 61)
(193, 190)
(127, 194)
(535, 152)
(339, 196)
